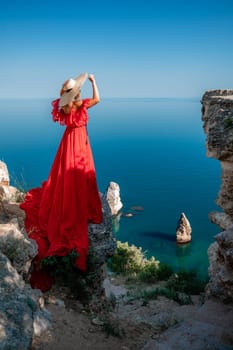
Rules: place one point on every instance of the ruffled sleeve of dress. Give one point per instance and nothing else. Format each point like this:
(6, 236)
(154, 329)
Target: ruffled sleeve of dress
(85, 102)
(78, 118)
(57, 114)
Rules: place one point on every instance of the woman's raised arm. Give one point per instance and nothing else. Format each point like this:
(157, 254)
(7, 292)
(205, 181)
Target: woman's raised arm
(96, 97)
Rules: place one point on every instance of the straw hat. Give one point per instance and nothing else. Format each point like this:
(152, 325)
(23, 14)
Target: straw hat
(71, 88)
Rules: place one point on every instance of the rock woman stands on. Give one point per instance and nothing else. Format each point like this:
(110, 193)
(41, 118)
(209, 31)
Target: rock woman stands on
(58, 213)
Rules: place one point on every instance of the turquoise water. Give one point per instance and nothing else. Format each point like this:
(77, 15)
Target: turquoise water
(153, 148)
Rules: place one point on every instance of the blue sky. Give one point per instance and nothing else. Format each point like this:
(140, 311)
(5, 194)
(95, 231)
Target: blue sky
(134, 48)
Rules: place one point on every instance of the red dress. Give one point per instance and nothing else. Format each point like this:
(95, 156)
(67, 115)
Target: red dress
(57, 214)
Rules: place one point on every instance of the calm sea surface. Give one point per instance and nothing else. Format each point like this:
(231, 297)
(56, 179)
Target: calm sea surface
(153, 148)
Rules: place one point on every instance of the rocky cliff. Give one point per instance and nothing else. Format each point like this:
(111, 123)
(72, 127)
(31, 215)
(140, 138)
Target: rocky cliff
(22, 311)
(217, 116)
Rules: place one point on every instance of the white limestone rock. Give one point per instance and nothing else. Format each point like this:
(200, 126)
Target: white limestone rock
(4, 175)
(113, 198)
(19, 249)
(10, 194)
(183, 230)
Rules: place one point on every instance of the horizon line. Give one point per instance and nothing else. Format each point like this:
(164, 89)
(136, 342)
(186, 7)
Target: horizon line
(104, 98)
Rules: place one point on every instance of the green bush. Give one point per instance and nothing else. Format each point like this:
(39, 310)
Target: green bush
(127, 259)
(131, 261)
(60, 264)
(149, 272)
(65, 273)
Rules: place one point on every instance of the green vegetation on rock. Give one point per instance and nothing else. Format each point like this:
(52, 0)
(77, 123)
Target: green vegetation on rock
(130, 261)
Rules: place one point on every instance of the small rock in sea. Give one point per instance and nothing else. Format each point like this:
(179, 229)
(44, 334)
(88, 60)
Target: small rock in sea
(113, 198)
(127, 215)
(183, 230)
(4, 175)
(137, 208)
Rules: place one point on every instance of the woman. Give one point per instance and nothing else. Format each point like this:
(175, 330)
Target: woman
(57, 214)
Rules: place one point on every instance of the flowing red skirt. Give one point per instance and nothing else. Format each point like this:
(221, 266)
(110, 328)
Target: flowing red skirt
(57, 214)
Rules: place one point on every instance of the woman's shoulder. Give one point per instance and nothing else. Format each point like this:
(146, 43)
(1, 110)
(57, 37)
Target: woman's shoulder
(82, 103)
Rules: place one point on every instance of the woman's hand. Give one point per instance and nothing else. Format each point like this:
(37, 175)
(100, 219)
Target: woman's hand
(91, 78)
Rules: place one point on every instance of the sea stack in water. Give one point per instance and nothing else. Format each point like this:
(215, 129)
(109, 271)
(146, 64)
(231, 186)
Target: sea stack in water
(4, 175)
(183, 230)
(113, 198)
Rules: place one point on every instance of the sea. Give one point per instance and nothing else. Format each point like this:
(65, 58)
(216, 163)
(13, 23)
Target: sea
(154, 148)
